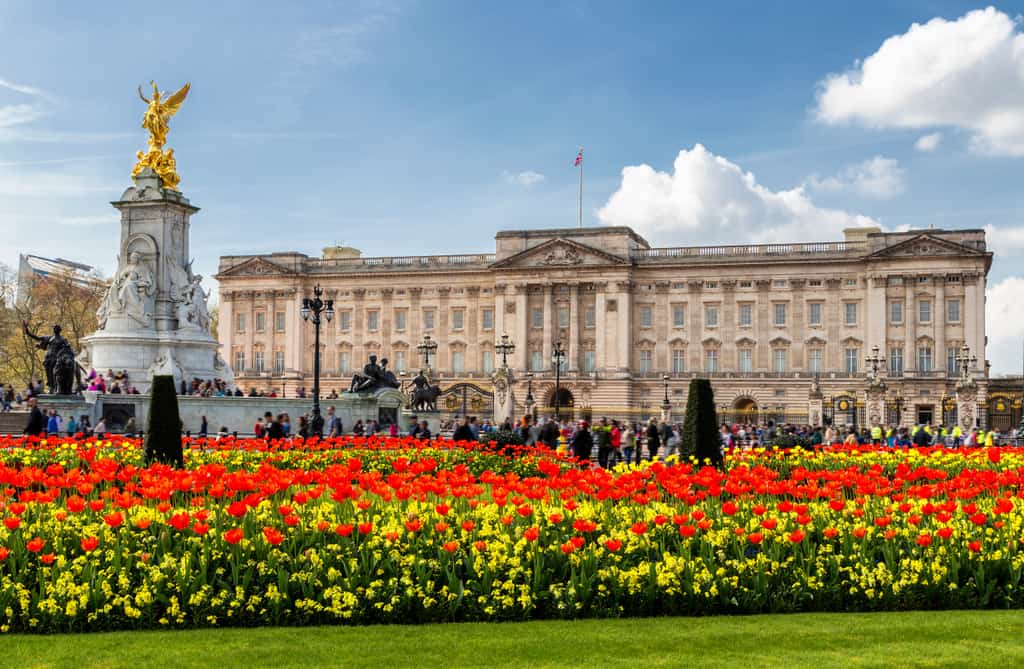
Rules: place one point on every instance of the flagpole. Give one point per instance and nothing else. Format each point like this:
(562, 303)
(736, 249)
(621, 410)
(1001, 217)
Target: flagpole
(580, 209)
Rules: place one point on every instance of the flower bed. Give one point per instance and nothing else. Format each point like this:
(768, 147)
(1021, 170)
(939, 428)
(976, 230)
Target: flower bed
(391, 530)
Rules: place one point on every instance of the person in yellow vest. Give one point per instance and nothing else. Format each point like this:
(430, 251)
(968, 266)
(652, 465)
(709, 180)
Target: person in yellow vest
(876, 435)
(957, 436)
(990, 439)
(980, 441)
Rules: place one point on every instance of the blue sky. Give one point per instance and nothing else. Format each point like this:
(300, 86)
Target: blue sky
(424, 127)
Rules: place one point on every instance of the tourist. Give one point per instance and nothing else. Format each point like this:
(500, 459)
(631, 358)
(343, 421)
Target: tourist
(286, 424)
(549, 434)
(359, 429)
(424, 432)
(85, 426)
(333, 424)
(71, 427)
(275, 430)
(53, 424)
(673, 443)
(7, 398)
(464, 432)
(101, 427)
(303, 426)
(36, 421)
(653, 439)
(130, 427)
(582, 444)
(603, 432)
(203, 427)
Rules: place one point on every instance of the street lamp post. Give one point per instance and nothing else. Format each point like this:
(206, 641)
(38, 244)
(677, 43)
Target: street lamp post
(875, 363)
(313, 308)
(558, 357)
(427, 347)
(505, 348)
(666, 405)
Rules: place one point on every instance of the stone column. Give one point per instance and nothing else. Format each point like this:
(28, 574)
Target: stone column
(939, 323)
(443, 328)
(695, 325)
(499, 313)
(548, 329)
(600, 326)
(834, 360)
(574, 327)
(875, 404)
(662, 321)
(504, 398)
(387, 327)
(415, 325)
(910, 314)
(763, 327)
(625, 330)
(728, 357)
(875, 316)
(797, 327)
(522, 327)
(473, 361)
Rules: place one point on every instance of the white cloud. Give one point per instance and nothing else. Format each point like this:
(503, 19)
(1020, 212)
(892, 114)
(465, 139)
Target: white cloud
(878, 177)
(1003, 325)
(526, 179)
(966, 73)
(928, 143)
(1005, 240)
(22, 88)
(708, 198)
(20, 113)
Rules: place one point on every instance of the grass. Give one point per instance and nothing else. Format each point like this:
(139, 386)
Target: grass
(912, 639)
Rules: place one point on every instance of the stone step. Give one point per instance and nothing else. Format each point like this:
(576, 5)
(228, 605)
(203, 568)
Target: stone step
(13, 422)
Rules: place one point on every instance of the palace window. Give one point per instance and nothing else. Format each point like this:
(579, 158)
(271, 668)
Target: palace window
(953, 311)
(814, 313)
(746, 360)
(924, 311)
(746, 315)
(645, 317)
(852, 283)
(458, 319)
(458, 361)
(240, 323)
(399, 361)
(344, 362)
(372, 320)
(779, 283)
(711, 316)
(645, 360)
(279, 321)
(588, 317)
(951, 366)
(896, 312)
(711, 360)
(563, 317)
(261, 321)
(428, 319)
(400, 319)
(851, 313)
(678, 316)
(814, 357)
(678, 361)
(537, 361)
(780, 314)
(346, 320)
(779, 360)
(711, 284)
(257, 363)
(924, 358)
(488, 362)
(487, 319)
(538, 318)
(589, 360)
(279, 362)
(896, 360)
(239, 362)
(852, 358)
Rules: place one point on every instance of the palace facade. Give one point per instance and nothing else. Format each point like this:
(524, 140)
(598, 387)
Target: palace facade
(768, 323)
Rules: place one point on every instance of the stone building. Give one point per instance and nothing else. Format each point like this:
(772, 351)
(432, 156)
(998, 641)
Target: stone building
(768, 323)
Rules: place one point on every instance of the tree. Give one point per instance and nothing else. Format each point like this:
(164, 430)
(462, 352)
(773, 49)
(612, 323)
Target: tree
(700, 427)
(163, 432)
(42, 302)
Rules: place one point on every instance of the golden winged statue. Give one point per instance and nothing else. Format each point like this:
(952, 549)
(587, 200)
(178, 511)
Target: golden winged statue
(159, 111)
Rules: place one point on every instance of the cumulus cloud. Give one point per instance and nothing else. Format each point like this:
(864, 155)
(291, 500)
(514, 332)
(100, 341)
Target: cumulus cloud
(878, 178)
(1003, 325)
(966, 73)
(709, 198)
(526, 179)
(1005, 239)
(928, 143)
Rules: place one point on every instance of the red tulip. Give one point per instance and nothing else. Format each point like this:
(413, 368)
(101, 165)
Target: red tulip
(531, 534)
(273, 536)
(234, 535)
(89, 544)
(755, 538)
(613, 545)
(35, 545)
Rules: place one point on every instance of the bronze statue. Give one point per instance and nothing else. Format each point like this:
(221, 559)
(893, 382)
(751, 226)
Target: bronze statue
(59, 362)
(373, 377)
(424, 395)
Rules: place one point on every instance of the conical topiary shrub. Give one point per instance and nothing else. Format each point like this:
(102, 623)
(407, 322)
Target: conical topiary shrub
(700, 428)
(163, 434)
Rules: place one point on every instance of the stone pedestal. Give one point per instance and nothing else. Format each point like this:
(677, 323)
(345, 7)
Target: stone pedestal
(504, 398)
(966, 405)
(815, 411)
(875, 405)
(154, 317)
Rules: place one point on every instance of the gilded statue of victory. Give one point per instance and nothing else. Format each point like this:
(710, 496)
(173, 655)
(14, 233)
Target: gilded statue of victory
(160, 110)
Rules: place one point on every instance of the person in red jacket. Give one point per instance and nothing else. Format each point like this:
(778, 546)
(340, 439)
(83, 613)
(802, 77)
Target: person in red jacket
(616, 455)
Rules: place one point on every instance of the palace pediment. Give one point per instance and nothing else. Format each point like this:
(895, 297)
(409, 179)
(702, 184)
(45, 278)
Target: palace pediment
(559, 252)
(926, 246)
(256, 267)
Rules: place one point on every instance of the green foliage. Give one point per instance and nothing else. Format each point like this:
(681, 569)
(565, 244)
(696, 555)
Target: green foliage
(700, 435)
(781, 440)
(163, 435)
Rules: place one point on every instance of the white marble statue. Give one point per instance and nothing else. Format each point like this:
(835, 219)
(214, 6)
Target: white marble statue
(189, 297)
(129, 294)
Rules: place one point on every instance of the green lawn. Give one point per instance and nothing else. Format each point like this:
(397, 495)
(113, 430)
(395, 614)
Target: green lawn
(918, 639)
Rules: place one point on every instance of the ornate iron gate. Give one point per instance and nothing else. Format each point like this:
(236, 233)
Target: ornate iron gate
(463, 399)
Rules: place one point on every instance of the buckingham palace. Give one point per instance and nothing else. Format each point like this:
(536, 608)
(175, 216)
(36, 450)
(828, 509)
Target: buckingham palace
(772, 325)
